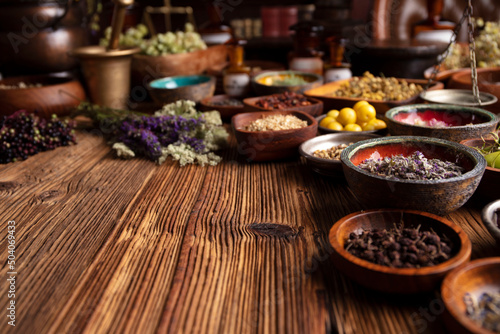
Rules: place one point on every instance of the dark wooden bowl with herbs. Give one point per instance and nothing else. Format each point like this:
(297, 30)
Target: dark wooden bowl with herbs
(410, 251)
(285, 101)
(406, 172)
(227, 106)
(450, 122)
(489, 188)
(470, 294)
(491, 219)
(272, 135)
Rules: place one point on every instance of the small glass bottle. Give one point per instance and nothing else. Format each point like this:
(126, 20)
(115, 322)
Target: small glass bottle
(335, 69)
(306, 56)
(236, 80)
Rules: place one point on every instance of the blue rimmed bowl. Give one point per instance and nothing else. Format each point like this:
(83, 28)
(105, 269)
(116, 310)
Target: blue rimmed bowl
(449, 122)
(436, 196)
(190, 87)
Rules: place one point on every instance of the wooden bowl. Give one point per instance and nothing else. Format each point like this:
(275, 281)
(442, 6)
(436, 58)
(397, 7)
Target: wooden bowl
(489, 188)
(226, 111)
(57, 95)
(389, 279)
(475, 278)
(147, 68)
(488, 81)
(314, 109)
(191, 87)
(271, 145)
(436, 196)
(325, 94)
(464, 122)
(491, 219)
(326, 166)
(263, 85)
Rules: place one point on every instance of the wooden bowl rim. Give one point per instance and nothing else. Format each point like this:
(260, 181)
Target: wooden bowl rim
(251, 102)
(389, 115)
(311, 92)
(448, 297)
(479, 167)
(63, 81)
(258, 114)
(462, 256)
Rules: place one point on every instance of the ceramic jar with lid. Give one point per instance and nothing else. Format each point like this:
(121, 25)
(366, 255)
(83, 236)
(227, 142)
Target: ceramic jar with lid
(236, 80)
(307, 54)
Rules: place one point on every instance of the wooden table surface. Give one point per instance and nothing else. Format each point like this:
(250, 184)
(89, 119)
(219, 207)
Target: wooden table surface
(111, 246)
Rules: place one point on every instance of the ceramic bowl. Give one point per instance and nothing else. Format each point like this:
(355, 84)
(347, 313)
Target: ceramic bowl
(488, 81)
(314, 109)
(265, 82)
(271, 145)
(436, 196)
(325, 94)
(324, 130)
(191, 87)
(326, 166)
(390, 279)
(226, 110)
(475, 278)
(491, 219)
(489, 188)
(462, 122)
(146, 68)
(57, 95)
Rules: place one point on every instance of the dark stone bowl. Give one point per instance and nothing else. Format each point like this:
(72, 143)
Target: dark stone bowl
(435, 196)
(465, 122)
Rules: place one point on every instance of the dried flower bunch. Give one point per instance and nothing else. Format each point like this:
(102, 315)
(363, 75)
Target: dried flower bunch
(177, 130)
(414, 167)
(484, 310)
(400, 247)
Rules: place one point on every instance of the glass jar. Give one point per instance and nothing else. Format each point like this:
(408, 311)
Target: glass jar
(307, 55)
(236, 80)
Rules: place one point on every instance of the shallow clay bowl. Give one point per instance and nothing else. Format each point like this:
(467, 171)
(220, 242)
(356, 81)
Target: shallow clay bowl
(489, 188)
(57, 95)
(226, 111)
(191, 87)
(463, 122)
(437, 196)
(263, 83)
(271, 145)
(491, 219)
(475, 278)
(314, 109)
(329, 167)
(389, 279)
(488, 81)
(325, 94)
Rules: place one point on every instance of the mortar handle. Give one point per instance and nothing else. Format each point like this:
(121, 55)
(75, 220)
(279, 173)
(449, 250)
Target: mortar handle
(117, 22)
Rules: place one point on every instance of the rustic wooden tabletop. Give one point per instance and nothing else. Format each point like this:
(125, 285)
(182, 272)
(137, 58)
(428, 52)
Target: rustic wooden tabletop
(104, 245)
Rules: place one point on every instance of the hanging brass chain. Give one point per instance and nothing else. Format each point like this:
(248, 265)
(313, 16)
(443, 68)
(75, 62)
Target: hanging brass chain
(445, 54)
(472, 53)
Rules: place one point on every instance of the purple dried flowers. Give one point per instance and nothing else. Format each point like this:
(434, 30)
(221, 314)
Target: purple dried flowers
(414, 167)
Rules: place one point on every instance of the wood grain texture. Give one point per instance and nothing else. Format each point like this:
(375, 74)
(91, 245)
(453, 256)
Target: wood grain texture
(111, 246)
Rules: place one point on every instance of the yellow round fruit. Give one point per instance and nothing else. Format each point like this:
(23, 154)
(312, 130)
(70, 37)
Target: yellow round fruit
(352, 127)
(325, 121)
(359, 104)
(366, 113)
(374, 124)
(333, 113)
(335, 126)
(346, 116)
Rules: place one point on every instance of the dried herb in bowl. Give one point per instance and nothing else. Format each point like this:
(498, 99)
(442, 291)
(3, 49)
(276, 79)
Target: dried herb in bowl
(283, 101)
(484, 310)
(400, 247)
(414, 167)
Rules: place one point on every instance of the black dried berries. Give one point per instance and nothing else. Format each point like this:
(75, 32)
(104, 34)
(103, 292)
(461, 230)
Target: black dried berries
(400, 247)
